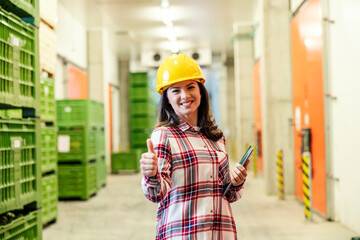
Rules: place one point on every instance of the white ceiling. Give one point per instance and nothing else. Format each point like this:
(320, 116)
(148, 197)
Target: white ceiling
(197, 23)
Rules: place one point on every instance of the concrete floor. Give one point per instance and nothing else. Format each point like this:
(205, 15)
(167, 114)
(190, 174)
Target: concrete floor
(120, 211)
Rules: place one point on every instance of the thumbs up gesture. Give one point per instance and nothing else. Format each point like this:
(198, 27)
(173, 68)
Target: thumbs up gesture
(149, 161)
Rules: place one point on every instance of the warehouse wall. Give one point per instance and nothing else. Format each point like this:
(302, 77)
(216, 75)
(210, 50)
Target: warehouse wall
(71, 31)
(71, 42)
(344, 72)
(111, 77)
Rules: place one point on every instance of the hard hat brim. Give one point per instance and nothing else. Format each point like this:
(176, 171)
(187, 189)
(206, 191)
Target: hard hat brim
(160, 89)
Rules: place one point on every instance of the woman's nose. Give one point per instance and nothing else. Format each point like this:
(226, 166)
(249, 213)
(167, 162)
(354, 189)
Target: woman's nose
(184, 94)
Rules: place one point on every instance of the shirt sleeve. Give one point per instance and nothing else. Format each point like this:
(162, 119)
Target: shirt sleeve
(156, 188)
(234, 193)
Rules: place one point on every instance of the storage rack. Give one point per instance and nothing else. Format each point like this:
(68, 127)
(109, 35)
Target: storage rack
(20, 149)
(49, 168)
(47, 54)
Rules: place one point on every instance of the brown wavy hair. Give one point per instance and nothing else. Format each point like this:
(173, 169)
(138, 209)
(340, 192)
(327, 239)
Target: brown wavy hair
(168, 118)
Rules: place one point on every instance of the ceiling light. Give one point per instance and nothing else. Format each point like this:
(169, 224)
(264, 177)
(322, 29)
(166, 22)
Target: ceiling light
(170, 33)
(165, 16)
(174, 47)
(165, 3)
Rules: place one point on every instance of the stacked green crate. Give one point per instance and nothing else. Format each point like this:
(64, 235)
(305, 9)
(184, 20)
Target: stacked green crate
(48, 151)
(20, 165)
(142, 109)
(50, 198)
(48, 103)
(142, 106)
(81, 113)
(19, 60)
(20, 149)
(77, 180)
(79, 145)
(23, 225)
(81, 150)
(126, 160)
(101, 169)
(27, 10)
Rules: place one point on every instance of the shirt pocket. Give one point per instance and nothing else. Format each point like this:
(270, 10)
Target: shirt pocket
(223, 164)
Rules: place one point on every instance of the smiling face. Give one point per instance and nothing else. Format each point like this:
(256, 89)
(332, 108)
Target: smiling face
(185, 98)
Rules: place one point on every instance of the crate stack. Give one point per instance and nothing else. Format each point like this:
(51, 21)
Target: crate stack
(80, 148)
(142, 106)
(101, 169)
(47, 39)
(20, 163)
(48, 151)
(142, 109)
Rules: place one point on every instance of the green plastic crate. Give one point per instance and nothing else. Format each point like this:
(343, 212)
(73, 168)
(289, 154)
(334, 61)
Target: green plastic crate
(77, 180)
(11, 113)
(77, 113)
(126, 160)
(28, 10)
(100, 142)
(19, 73)
(139, 79)
(48, 149)
(138, 145)
(143, 109)
(28, 227)
(101, 171)
(20, 174)
(139, 138)
(82, 145)
(142, 94)
(100, 115)
(50, 198)
(47, 100)
(142, 123)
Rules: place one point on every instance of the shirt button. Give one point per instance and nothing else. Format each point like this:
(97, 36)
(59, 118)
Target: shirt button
(205, 146)
(210, 176)
(211, 211)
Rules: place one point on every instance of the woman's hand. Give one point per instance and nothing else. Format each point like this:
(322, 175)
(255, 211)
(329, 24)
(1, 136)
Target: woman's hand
(238, 174)
(149, 161)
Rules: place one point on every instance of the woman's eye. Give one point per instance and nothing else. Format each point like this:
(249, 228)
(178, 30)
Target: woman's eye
(191, 87)
(175, 91)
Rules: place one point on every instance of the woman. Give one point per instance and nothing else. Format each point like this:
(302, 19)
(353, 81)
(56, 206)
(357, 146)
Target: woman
(186, 168)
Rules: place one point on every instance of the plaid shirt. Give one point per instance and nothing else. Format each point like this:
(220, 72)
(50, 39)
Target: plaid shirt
(192, 172)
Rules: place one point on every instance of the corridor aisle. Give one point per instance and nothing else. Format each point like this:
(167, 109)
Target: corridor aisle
(120, 211)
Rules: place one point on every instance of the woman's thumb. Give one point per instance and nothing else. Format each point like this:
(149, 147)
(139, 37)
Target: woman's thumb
(150, 146)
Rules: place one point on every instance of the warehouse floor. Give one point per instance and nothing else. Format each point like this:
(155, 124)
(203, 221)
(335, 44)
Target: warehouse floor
(120, 211)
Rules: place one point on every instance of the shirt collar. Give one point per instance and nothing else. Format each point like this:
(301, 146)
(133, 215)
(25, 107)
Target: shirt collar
(184, 126)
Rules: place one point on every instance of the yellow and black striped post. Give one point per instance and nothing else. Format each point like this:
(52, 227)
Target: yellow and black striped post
(280, 171)
(306, 176)
(255, 161)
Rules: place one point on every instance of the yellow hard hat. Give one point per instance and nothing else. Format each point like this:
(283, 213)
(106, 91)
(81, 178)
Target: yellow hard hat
(177, 68)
